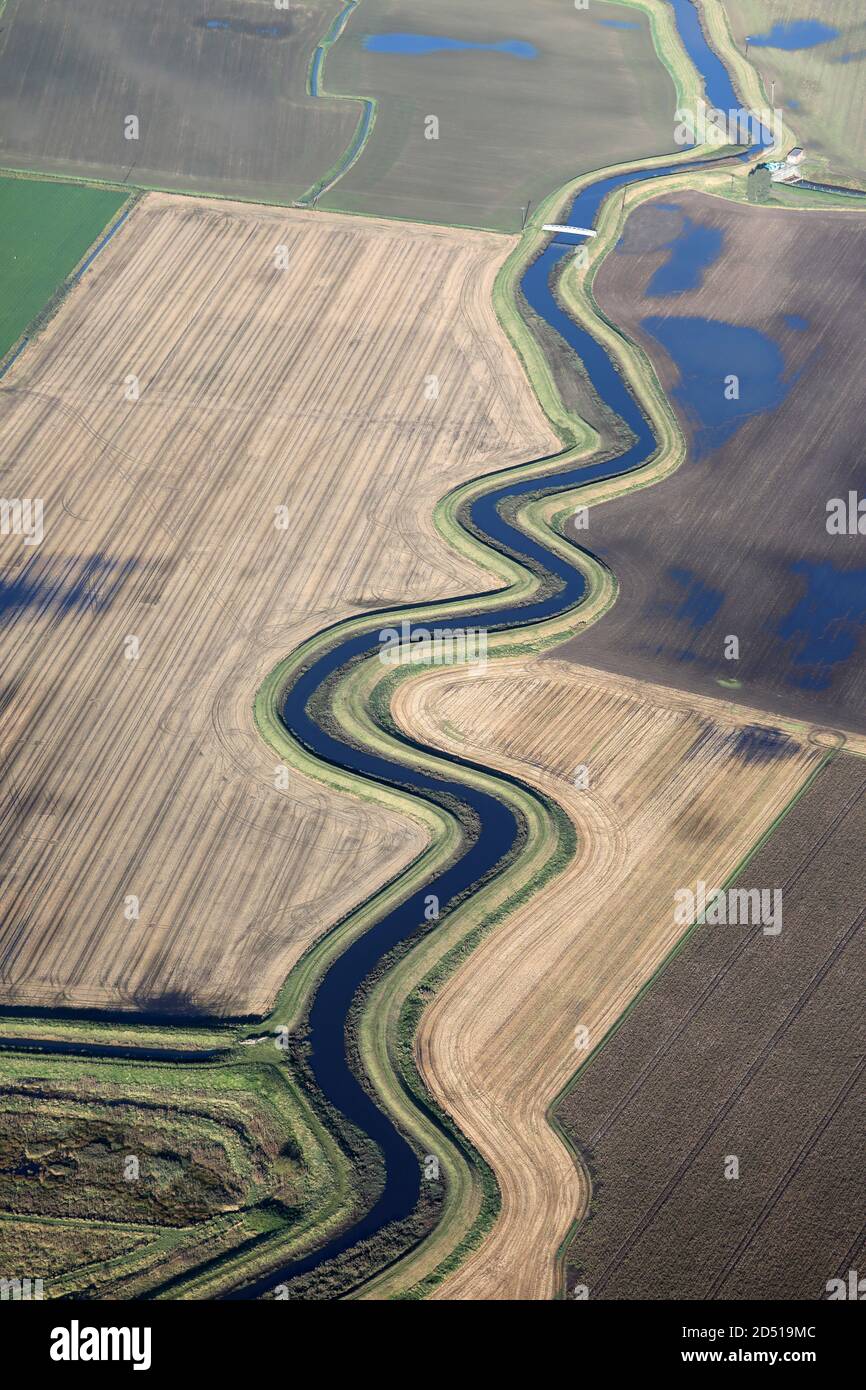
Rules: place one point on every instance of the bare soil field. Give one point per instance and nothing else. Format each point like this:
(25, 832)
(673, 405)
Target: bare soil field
(525, 98)
(677, 788)
(749, 1047)
(736, 543)
(187, 391)
(221, 100)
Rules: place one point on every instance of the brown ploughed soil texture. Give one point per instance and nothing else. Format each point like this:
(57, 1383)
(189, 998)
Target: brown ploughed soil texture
(752, 1047)
(735, 543)
(189, 389)
(219, 99)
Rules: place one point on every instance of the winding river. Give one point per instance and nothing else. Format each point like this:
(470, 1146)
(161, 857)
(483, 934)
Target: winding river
(498, 827)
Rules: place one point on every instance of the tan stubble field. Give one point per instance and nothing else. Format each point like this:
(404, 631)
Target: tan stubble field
(258, 387)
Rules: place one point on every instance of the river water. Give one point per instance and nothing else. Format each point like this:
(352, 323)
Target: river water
(498, 827)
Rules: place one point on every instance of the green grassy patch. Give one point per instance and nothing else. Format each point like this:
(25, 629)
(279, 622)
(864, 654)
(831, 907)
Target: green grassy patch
(45, 230)
(822, 89)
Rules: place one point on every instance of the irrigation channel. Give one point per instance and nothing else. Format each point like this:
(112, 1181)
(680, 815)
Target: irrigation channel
(498, 827)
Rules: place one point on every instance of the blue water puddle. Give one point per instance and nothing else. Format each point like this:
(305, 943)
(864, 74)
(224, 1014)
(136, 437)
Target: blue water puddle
(421, 44)
(706, 352)
(797, 322)
(794, 34)
(692, 251)
(794, 105)
(850, 57)
(699, 603)
(246, 27)
(619, 23)
(827, 623)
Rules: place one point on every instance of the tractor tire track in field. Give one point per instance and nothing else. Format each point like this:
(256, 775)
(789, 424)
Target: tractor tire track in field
(806, 1148)
(713, 984)
(731, 1100)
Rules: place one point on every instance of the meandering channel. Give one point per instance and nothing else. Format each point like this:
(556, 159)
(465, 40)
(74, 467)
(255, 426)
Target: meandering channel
(498, 831)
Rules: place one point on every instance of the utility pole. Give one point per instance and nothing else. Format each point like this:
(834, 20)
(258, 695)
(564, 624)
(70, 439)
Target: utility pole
(525, 212)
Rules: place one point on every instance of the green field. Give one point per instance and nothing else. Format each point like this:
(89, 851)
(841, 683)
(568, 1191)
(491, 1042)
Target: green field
(45, 229)
(823, 89)
(511, 128)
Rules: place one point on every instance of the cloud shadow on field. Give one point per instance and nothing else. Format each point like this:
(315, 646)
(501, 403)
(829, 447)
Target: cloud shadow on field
(59, 585)
(754, 743)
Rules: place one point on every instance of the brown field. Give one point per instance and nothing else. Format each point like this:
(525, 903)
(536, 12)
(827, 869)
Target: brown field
(679, 788)
(736, 541)
(512, 130)
(221, 110)
(747, 1046)
(259, 388)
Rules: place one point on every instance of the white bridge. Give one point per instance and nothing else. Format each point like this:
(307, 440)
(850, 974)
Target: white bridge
(577, 231)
